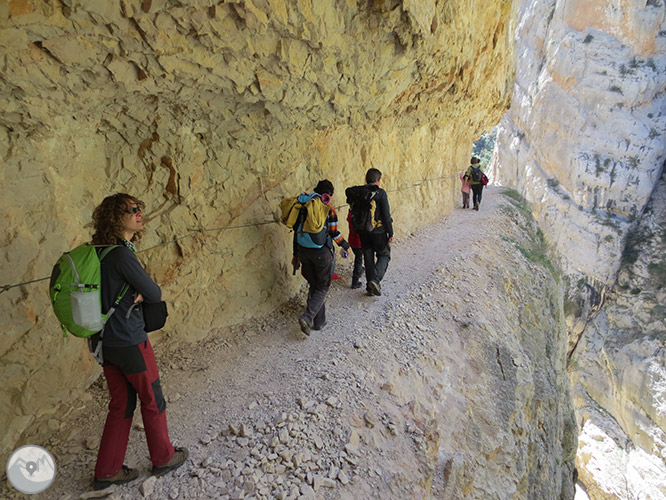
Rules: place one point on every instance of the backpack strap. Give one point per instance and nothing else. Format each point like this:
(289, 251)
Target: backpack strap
(300, 220)
(97, 350)
(106, 250)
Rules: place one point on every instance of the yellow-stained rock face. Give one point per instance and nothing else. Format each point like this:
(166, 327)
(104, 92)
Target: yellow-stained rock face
(211, 113)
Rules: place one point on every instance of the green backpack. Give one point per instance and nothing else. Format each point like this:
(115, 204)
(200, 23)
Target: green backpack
(75, 291)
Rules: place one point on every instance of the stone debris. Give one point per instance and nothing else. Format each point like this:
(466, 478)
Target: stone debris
(99, 494)
(287, 456)
(370, 419)
(148, 486)
(332, 401)
(246, 431)
(351, 449)
(354, 439)
(92, 442)
(307, 492)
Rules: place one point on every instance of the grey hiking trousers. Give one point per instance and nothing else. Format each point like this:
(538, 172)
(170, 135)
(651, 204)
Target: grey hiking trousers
(318, 269)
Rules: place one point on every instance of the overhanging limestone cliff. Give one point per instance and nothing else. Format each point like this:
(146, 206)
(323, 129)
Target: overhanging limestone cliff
(211, 112)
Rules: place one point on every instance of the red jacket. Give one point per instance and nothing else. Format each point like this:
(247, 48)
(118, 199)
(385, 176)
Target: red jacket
(354, 239)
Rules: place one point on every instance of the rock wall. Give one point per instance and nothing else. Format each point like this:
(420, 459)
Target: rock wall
(619, 371)
(211, 112)
(584, 141)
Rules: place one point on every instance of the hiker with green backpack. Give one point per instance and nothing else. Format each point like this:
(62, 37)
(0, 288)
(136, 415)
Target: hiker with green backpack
(129, 362)
(478, 180)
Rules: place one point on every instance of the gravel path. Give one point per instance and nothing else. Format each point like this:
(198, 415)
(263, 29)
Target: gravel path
(269, 413)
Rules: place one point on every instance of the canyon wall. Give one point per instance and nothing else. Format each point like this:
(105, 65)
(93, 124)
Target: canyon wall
(211, 112)
(584, 142)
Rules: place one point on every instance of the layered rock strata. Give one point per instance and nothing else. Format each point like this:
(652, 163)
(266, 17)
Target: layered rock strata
(584, 141)
(211, 112)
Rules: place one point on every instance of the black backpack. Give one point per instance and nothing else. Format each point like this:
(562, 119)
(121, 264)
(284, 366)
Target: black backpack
(362, 205)
(477, 175)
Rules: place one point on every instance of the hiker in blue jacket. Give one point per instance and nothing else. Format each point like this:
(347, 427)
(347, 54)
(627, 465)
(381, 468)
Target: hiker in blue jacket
(129, 365)
(315, 254)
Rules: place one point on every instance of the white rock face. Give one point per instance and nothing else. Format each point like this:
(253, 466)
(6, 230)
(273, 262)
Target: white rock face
(619, 372)
(584, 142)
(584, 138)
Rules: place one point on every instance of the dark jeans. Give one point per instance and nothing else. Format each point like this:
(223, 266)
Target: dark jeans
(132, 371)
(317, 269)
(477, 190)
(358, 265)
(376, 254)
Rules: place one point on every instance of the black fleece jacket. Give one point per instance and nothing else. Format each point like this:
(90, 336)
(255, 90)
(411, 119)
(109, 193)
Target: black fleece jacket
(121, 266)
(383, 211)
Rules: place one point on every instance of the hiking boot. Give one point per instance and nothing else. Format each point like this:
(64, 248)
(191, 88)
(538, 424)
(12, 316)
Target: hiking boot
(305, 326)
(320, 326)
(373, 287)
(178, 459)
(355, 285)
(124, 476)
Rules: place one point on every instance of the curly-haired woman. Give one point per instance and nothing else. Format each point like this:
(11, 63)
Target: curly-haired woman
(129, 366)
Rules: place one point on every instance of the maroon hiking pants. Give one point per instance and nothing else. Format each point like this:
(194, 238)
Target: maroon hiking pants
(132, 371)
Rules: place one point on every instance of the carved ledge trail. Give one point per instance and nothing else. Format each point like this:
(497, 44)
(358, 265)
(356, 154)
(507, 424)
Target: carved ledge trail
(269, 413)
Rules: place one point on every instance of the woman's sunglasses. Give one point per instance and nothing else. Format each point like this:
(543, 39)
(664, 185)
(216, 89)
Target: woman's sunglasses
(133, 210)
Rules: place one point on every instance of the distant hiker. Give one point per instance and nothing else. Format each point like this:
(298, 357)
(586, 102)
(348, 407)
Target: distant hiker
(355, 244)
(129, 365)
(478, 180)
(371, 219)
(466, 187)
(316, 255)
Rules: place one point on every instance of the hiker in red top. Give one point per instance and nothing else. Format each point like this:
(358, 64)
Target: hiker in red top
(355, 244)
(466, 188)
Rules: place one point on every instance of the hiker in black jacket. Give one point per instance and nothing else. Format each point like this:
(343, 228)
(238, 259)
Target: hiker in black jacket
(476, 174)
(376, 244)
(129, 365)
